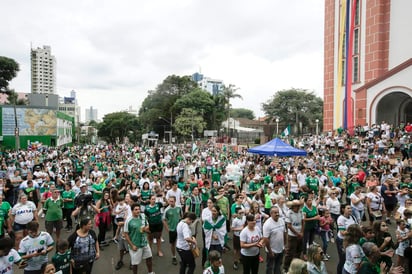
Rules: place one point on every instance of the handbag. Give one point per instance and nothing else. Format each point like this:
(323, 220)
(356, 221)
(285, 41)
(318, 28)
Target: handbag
(376, 213)
(195, 251)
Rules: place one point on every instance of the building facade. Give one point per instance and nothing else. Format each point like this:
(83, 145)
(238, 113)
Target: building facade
(43, 71)
(91, 115)
(367, 63)
(214, 86)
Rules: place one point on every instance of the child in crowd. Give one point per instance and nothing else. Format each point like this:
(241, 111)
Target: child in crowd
(61, 259)
(216, 266)
(238, 223)
(403, 240)
(326, 233)
(121, 214)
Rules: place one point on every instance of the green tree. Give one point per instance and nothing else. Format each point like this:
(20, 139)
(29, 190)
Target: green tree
(13, 98)
(118, 125)
(199, 100)
(8, 70)
(160, 102)
(296, 107)
(189, 123)
(242, 113)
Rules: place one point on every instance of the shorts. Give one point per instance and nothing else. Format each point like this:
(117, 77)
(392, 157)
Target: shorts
(18, 227)
(140, 254)
(236, 242)
(390, 207)
(122, 244)
(172, 237)
(58, 225)
(119, 220)
(156, 228)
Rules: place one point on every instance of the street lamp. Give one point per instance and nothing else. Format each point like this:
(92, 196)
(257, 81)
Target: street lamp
(317, 127)
(171, 125)
(277, 127)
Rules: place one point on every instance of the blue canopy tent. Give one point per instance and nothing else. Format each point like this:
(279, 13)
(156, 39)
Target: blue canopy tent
(278, 148)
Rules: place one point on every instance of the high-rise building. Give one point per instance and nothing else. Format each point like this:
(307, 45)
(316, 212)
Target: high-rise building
(214, 86)
(91, 115)
(43, 71)
(367, 63)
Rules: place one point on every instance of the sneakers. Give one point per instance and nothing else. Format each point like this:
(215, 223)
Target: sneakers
(163, 240)
(119, 265)
(260, 259)
(327, 255)
(236, 266)
(174, 261)
(332, 240)
(325, 258)
(115, 240)
(154, 241)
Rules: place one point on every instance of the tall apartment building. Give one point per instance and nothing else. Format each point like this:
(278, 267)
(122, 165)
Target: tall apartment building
(91, 115)
(43, 71)
(367, 63)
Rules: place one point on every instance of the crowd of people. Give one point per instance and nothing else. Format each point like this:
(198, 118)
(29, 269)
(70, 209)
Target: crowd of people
(281, 214)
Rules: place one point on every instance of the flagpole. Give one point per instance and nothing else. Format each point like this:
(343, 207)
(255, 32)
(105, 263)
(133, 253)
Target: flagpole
(277, 127)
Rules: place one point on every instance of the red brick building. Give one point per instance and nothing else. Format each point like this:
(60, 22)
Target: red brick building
(381, 62)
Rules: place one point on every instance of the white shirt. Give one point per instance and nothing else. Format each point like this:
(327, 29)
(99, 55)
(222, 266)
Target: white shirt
(6, 262)
(30, 245)
(333, 206)
(344, 223)
(183, 232)
(360, 205)
(177, 194)
(274, 231)
(248, 237)
(295, 219)
(23, 213)
(210, 271)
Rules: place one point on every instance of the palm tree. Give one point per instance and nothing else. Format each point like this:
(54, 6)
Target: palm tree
(228, 93)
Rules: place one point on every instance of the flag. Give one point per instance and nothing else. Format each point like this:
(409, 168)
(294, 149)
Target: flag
(286, 132)
(194, 148)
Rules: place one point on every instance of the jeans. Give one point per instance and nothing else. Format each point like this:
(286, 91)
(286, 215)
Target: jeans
(250, 264)
(274, 264)
(187, 261)
(358, 214)
(308, 236)
(341, 254)
(323, 236)
(67, 214)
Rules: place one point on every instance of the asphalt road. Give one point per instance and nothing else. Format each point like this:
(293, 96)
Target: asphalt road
(163, 265)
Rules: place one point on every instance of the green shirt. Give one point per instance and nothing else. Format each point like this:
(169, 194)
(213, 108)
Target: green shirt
(53, 209)
(223, 203)
(145, 195)
(69, 195)
(309, 214)
(133, 226)
(62, 261)
(215, 174)
(172, 215)
(153, 213)
(97, 187)
(313, 184)
(194, 203)
(4, 213)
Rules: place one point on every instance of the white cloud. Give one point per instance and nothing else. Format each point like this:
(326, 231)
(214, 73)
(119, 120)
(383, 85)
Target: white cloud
(113, 52)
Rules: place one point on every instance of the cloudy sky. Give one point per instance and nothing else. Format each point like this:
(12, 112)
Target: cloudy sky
(112, 52)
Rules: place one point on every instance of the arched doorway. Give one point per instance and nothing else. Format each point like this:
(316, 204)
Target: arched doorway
(394, 108)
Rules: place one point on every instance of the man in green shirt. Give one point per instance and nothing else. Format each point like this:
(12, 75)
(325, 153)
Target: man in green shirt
(171, 217)
(68, 196)
(136, 228)
(54, 213)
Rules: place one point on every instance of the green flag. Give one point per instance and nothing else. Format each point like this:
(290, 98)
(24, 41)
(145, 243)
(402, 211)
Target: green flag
(286, 132)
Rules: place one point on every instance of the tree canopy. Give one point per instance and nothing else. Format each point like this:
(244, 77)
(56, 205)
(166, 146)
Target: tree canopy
(242, 113)
(8, 70)
(118, 125)
(296, 107)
